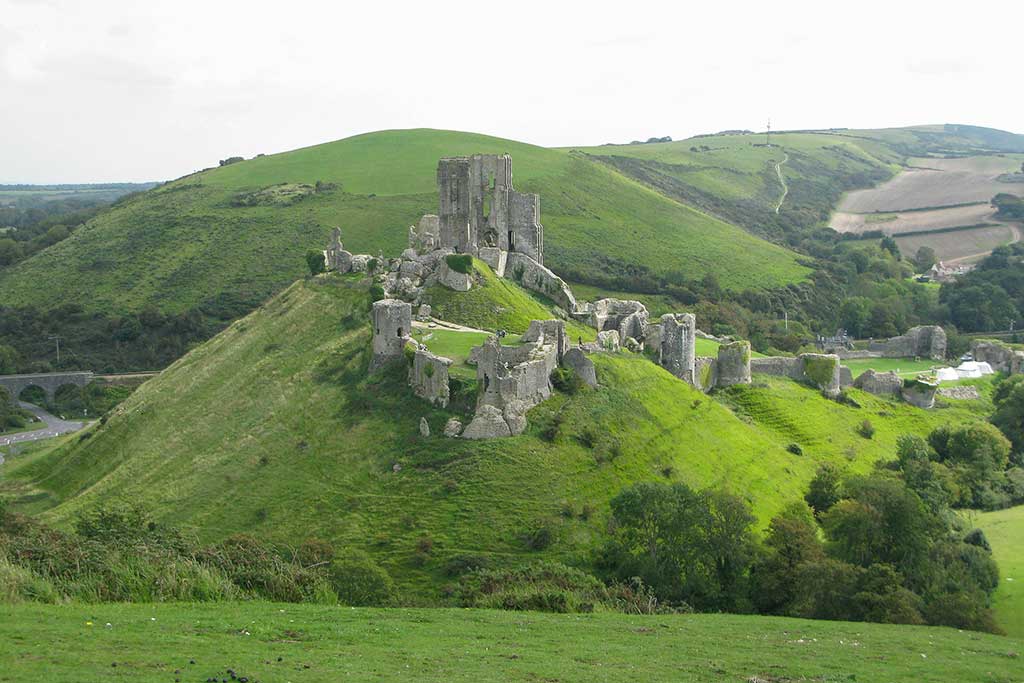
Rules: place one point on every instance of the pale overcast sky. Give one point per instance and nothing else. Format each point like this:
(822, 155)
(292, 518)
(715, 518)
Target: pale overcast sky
(111, 90)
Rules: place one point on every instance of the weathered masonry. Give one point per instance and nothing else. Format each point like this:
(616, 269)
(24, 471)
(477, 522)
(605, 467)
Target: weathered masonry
(49, 382)
(479, 207)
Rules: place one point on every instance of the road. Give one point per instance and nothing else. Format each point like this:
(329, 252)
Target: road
(785, 187)
(54, 427)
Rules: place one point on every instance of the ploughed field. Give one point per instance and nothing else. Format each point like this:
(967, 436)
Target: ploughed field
(274, 643)
(939, 203)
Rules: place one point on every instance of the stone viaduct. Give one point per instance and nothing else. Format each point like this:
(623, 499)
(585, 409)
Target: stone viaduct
(49, 382)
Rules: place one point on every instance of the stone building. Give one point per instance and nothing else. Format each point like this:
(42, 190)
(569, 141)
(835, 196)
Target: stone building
(1001, 357)
(678, 345)
(429, 377)
(733, 364)
(479, 207)
(335, 256)
(923, 341)
(392, 327)
(821, 370)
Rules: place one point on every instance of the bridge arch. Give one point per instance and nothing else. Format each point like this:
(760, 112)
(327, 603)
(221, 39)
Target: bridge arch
(49, 382)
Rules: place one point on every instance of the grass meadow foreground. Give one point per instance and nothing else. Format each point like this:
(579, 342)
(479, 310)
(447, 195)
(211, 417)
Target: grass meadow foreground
(284, 642)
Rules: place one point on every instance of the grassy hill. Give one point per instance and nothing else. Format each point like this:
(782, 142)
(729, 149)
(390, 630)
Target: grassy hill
(1005, 532)
(239, 232)
(273, 427)
(309, 644)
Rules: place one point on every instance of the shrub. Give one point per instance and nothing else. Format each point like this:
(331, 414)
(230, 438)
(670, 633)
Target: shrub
(566, 380)
(316, 262)
(538, 537)
(795, 449)
(359, 581)
(376, 292)
(460, 263)
(866, 429)
(540, 586)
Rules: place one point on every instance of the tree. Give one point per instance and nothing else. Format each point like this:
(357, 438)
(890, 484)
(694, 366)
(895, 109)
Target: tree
(823, 491)
(686, 545)
(316, 262)
(889, 244)
(924, 259)
(8, 360)
(854, 314)
(1008, 398)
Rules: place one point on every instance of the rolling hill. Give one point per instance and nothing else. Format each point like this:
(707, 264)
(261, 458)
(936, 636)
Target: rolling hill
(239, 232)
(274, 427)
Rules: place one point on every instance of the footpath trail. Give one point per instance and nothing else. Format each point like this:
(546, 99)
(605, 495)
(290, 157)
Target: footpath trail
(54, 426)
(782, 181)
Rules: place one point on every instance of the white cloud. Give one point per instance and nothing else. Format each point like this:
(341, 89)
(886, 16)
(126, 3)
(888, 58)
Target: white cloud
(160, 89)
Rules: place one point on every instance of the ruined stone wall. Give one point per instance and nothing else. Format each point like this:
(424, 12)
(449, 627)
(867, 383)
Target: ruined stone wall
(924, 341)
(678, 344)
(455, 219)
(548, 332)
(705, 373)
(733, 364)
(392, 325)
(511, 380)
(527, 234)
(429, 377)
(820, 369)
(1001, 357)
(879, 383)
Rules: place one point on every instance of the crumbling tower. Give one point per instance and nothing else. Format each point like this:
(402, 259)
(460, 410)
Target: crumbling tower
(678, 344)
(392, 327)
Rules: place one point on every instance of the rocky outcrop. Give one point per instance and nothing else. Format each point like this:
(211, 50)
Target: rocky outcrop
(538, 278)
(879, 383)
(460, 282)
(452, 428)
(578, 362)
(488, 423)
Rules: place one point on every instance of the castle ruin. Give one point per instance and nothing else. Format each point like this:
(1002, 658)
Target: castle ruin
(481, 215)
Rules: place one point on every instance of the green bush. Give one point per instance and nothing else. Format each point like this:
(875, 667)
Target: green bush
(866, 429)
(460, 263)
(316, 262)
(359, 581)
(566, 380)
(540, 586)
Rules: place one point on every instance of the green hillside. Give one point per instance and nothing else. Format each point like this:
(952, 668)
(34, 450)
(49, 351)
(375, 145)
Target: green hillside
(1005, 532)
(275, 643)
(273, 427)
(235, 235)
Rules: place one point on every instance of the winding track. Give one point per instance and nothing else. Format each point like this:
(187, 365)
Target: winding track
(782, 181)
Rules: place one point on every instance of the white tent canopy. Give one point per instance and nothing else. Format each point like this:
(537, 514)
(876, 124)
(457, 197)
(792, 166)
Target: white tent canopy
(971, 368)
(947, 374)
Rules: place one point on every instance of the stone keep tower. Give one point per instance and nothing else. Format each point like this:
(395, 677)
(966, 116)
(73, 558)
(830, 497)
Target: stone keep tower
(392, 325)
(733, 363)
(678, 335)
(479, 208)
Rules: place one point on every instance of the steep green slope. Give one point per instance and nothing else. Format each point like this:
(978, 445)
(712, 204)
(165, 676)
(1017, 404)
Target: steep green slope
(1005, 532)
(272, 426)
(743, 180)
(313, 644)
(227, 235)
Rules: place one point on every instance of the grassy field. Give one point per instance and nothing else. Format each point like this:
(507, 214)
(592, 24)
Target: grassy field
(967, 245)
(929, 183)
(272, 427)
(308, 644)
(1005, 532)
(193, 241)
(905, 367)
(913, 221)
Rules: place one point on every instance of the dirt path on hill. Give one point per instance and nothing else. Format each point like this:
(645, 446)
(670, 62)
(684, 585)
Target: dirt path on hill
(445, 325)
(785, 187)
